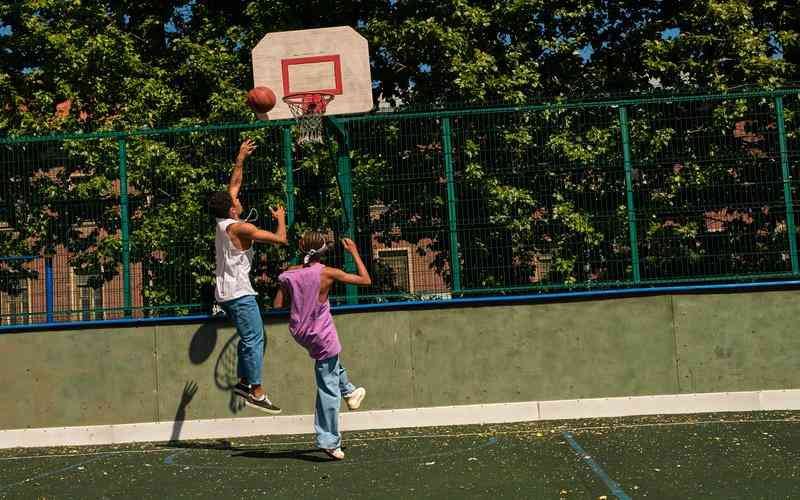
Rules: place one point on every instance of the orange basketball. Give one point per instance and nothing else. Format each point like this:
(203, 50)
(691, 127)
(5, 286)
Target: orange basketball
(261, 99)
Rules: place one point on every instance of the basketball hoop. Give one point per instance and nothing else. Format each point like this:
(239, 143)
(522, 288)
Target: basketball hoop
(307, 109)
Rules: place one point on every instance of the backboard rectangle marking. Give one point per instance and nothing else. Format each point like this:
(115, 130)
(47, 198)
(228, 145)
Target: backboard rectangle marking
(326, 70)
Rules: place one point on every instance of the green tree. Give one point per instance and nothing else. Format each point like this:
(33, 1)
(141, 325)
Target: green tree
(531, 186)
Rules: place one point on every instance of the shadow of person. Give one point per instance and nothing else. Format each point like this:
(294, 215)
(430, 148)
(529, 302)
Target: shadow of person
(307, 455)
(189, 390)
(219, 444)
(304, 455)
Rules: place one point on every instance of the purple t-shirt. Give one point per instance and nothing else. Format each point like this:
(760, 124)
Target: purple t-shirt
(310, 322)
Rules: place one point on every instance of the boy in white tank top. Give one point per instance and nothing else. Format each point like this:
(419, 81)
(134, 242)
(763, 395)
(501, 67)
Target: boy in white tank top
(233, 291)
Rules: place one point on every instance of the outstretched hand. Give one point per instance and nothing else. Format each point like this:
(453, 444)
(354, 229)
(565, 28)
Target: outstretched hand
(278, 213)
(245, 150)
(350, 246)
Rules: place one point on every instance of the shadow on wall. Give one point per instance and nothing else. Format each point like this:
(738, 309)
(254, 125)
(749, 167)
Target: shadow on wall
(204, 342)
(189, 390)
(202, 346)
(225, 373)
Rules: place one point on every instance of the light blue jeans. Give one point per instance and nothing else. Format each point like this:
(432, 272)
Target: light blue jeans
(332, 385)
(252, 342)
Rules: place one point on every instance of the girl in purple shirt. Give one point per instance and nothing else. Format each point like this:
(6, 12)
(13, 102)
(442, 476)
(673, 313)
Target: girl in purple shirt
(306, 287)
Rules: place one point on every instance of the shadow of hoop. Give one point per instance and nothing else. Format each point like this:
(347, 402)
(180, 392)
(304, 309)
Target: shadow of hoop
(225, 373)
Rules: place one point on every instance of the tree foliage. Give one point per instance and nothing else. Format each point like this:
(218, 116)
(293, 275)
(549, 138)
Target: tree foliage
(545, 184)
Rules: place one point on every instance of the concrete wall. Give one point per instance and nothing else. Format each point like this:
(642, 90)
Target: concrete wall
(583, 349)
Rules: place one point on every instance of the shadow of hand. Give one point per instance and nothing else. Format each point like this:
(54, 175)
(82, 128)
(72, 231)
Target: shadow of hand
(189, 390)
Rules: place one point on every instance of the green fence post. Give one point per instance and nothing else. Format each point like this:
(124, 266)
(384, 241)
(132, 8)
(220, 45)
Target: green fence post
(344, 176)
(455, 262)
(289, 165)
(787, 185)
(125, 229)
(626, 154)
(288, 162)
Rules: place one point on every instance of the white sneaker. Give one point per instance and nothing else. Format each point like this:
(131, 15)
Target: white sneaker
(335, 453)
(355, 398)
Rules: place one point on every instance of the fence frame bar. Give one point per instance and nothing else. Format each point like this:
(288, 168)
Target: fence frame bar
(787, 185)
(455, 261)
(627, 164)
(337, 128)
(344, 177)
(124, 226)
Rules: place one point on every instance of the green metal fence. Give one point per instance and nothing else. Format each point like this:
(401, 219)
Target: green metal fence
(442, 204)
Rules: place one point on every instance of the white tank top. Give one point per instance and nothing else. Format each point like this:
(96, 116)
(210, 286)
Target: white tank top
(233, 265)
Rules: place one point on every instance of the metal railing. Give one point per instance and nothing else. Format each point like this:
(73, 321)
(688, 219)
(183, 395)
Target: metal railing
(443, 204)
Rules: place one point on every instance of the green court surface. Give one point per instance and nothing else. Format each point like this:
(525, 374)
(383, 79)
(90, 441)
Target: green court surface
(753, 455)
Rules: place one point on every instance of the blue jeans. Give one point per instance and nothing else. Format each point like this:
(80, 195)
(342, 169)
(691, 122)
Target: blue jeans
(245, 315)
(332, 384)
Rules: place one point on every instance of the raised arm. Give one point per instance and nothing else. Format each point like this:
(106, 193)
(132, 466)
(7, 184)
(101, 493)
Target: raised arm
(247, 231)
(362, 278)
(235, 183)
(279, 214)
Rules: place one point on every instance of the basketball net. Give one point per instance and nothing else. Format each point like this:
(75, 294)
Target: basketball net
(307, 109)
